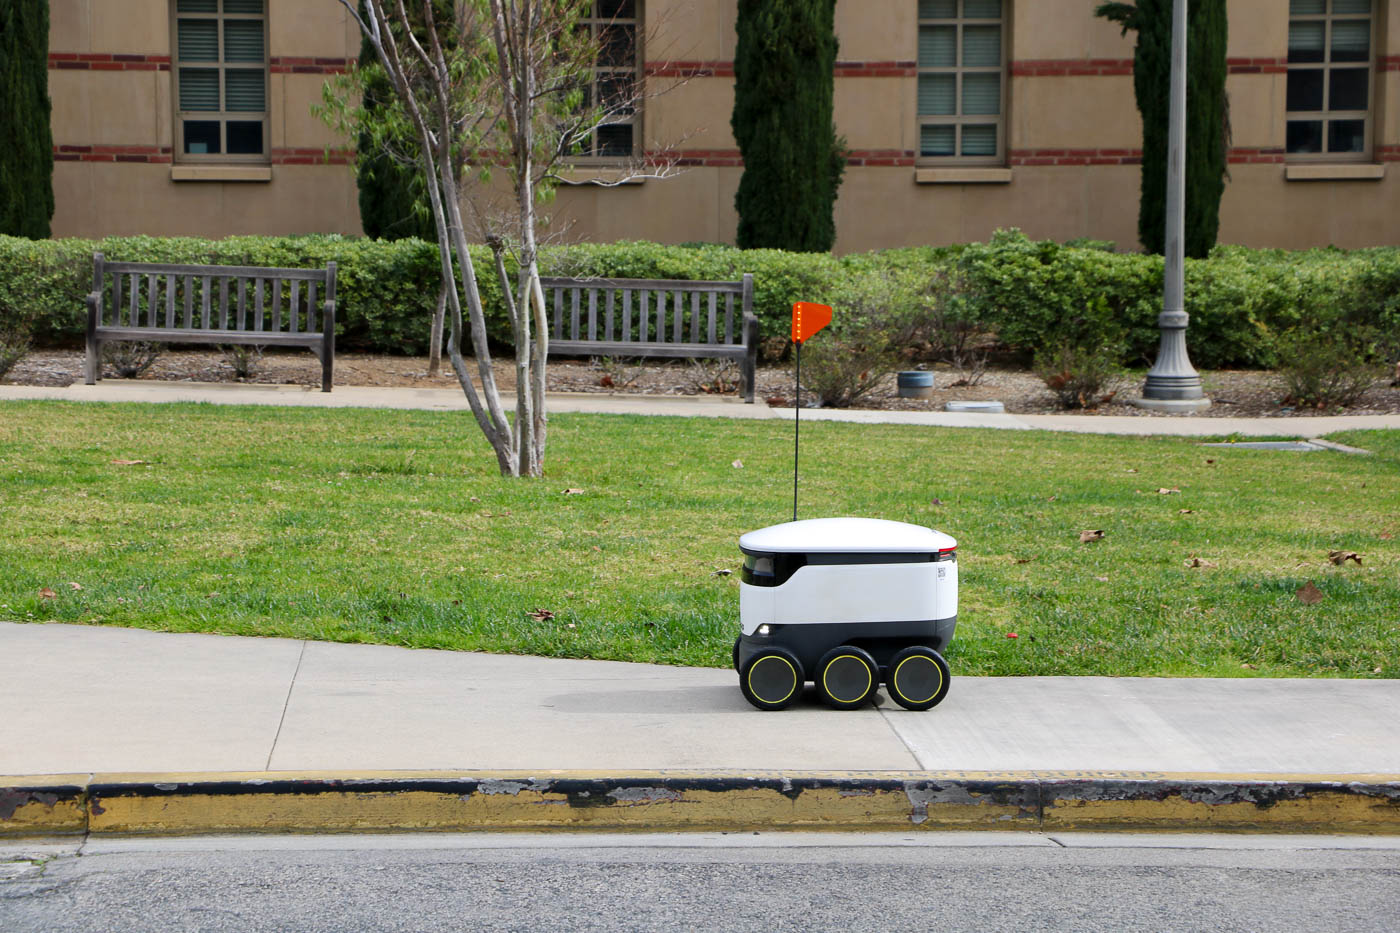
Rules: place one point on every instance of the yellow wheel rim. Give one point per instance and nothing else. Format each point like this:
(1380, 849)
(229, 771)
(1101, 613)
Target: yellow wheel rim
(938, 683)
(791, 670)
(869, 679)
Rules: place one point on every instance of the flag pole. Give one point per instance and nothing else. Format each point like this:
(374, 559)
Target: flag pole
(796, 428)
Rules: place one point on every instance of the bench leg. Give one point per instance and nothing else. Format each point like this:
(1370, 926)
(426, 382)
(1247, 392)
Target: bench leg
(327, 356)
(92, 364)
(750, 364)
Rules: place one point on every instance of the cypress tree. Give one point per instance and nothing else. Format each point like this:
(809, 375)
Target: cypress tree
(26, 153)
(1206, 117)
(793, 159)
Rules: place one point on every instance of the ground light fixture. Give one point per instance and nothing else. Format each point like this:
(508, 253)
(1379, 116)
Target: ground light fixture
(846, 603)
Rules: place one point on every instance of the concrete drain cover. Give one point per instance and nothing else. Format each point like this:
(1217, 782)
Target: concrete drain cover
(984, 407)
(1269, 445)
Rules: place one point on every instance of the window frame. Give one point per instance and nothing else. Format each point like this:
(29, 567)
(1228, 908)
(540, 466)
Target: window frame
(1326, 115)
(596, 25)
(222, 116)
(959, 120)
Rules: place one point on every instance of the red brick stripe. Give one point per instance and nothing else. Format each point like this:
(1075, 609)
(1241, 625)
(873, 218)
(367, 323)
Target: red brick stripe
(725, 69)
(1390, 63)
(1388, 153)
(1245, 155)
(282, 64)
(1075, 156)
(107, 61)
(110, 61)
(1254, 66)
(162, 155)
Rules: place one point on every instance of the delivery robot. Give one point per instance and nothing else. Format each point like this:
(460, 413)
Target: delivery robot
(846, 603)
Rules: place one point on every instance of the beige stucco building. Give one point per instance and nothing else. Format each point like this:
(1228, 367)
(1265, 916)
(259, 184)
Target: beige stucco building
(194, 117)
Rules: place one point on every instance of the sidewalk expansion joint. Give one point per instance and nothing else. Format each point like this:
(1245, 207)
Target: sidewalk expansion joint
(670, 801)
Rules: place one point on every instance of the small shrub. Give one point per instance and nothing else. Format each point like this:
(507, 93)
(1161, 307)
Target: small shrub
(877, 315)
(714, 377)
(242, 358)
(1080, 377)
(1325, 370)
(619, 372)
(957, 335)
(130, 359)
(13, 346)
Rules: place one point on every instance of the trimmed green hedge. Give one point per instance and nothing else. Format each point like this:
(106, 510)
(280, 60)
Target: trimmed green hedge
(1031, 294)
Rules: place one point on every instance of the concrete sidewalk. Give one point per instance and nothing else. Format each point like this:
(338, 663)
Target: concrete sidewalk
(93, 704)
(693, 406)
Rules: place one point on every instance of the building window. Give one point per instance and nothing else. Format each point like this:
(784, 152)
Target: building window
(220, 68)
(1329, 79)
(614, 25)
(961, 95)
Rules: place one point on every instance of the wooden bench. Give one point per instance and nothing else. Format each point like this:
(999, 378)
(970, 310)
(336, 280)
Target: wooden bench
(210, 304)
(654, 317)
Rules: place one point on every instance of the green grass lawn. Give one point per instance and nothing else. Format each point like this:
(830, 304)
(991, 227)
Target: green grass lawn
(392, 527)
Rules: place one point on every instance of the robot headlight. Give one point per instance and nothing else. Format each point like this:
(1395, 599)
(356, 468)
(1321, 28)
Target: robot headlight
(764, 630)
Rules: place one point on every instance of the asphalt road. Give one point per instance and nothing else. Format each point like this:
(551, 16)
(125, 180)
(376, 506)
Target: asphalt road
(925, 882)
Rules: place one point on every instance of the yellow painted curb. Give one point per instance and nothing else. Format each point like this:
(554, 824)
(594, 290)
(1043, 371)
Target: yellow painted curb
(43, 805)
(285, 802)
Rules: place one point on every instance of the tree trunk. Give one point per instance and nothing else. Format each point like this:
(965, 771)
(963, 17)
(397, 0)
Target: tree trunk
(435, 338)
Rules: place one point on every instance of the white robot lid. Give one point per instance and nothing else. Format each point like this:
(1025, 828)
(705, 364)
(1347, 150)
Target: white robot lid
(845, 536)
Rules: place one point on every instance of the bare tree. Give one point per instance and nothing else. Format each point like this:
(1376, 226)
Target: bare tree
(485, 84)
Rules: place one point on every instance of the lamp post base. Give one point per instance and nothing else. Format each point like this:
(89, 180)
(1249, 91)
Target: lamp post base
(1172, 406)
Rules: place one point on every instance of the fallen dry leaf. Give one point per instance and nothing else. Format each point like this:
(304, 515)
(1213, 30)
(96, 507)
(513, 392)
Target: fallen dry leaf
(1385, 536)
(1249, 667)
(597, 548)
(1210, 461)
(541, 615)
(1200, 562)
(1341, 557)
(935, 501)
(75, 586)
(1086, 536)
(737, 464)
(128, 462)
(1132, 471)
(211, 595)
(1102, 579)
(47, 593)
(1184, 511)
(473, 499)
(573, 492)
(1052, 499)
(1376, 670)
(1308, 594)
(1164, 491)
(1022, 560)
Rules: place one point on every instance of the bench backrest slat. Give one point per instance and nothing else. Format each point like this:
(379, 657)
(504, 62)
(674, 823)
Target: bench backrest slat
(728, 318)
(558, 313)
(626, 314)
(573, 315)
(593, 314)
(710, 326)
(135, 293)
(608, 328)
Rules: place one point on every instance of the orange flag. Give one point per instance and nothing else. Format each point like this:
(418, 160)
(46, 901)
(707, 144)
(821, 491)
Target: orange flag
(808, 318)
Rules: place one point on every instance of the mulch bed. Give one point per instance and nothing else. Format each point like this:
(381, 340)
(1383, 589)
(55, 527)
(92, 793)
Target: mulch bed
(1234, 393)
